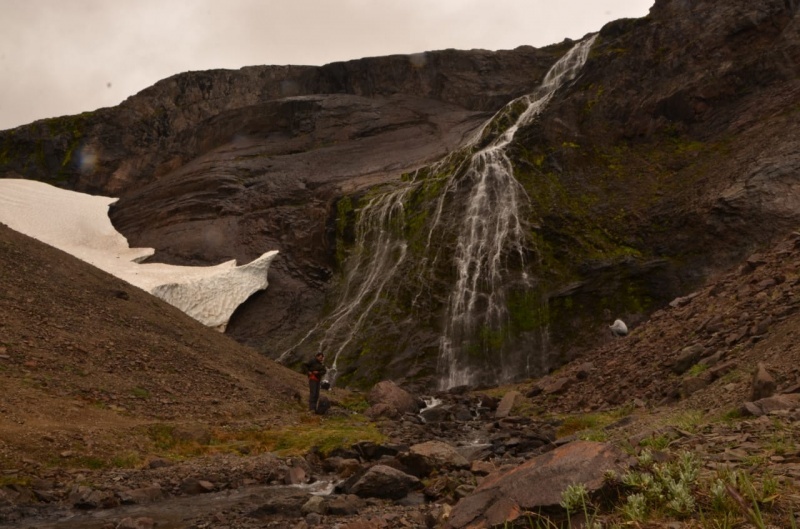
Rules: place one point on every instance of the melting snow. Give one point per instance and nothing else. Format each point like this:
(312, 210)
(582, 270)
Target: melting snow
(78, 224)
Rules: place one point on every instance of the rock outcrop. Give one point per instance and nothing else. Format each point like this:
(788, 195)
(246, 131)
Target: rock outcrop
(537, 484)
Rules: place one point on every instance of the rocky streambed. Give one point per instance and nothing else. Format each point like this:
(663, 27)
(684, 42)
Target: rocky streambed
(471, 460)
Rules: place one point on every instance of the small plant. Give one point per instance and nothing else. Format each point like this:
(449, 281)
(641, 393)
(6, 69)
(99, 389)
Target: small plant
(769, 488)
(657, 442)
(593, 422)
(355, 402)
(140, 393)
(594, 435)
(661, 486)
(731, 416)
(720, 501)
(697, 369)
(635, 508)
(13, 479)
(682, 502)
(645, 458)
(574, 497)
(688, 421)
(128, 460)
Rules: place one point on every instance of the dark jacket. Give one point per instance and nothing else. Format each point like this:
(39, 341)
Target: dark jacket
(315, 368)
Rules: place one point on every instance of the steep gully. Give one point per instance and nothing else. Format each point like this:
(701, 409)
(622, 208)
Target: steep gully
(491, 227)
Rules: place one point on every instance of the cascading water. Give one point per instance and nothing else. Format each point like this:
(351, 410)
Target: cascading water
(491, 233)
(379, 252)
(491, 227)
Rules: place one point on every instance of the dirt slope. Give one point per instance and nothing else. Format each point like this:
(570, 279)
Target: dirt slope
(701, 351)
(87, 360)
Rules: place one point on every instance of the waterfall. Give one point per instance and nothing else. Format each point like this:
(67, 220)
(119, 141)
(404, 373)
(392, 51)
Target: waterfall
(378, 253)
(491, 233)
(490, 227)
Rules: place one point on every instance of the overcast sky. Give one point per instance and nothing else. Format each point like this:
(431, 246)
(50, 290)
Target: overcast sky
(62, 57)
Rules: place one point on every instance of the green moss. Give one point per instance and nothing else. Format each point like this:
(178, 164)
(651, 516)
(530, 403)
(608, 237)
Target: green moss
(345, 218)
(595, 93)
(44, 150)
(590, 422)
(15, 480)
(502, 121)
(527, 311)
(323, 434)
(140, 393)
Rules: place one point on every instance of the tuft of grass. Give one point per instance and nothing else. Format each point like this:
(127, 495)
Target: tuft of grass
(13, 479)
(313, 433)
(655, 442)
(355, 402)
(591, 424)
(688, 421)
(140, 393)
(697, 369)
(319, 434)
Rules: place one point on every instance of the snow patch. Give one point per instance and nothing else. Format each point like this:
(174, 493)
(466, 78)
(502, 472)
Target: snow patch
(78, 224)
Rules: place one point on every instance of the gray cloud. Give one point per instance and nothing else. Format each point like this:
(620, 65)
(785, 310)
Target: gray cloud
(64, 57)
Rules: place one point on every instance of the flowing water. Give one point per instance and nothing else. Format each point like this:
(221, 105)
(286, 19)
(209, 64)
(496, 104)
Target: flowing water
(492, 227)
(491, 234)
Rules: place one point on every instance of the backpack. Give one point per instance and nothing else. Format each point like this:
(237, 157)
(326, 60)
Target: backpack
(323, 405)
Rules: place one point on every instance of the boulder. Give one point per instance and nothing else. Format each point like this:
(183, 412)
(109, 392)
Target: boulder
(537, 484)
(142, 522)
(388, 399)
(382, 481)
(286, 502)
(763, 383)
(344, 505)
(423, 458)
(141, 496)
(196, 486)
(382, 410)
(789, 401)
(315, 504)
(507, 404)
(688, 357)
(86, 498)
(436, 414)
(692, 385)
(295, 476)
(344, 468)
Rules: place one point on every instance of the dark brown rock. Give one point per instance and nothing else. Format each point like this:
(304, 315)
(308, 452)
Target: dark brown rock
(763, 384)
(536, 484)
(283, 502)
(507, 404)
(141, 496)
(423, 458)
(687, 357)
(389, 399)
(382, 481)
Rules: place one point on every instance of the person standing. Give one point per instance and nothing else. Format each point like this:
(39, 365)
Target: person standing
(316, 370)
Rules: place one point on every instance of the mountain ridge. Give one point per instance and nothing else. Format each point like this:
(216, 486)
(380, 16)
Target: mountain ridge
(664, 162)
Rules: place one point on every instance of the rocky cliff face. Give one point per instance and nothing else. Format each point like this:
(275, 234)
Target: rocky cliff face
(672, 155)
